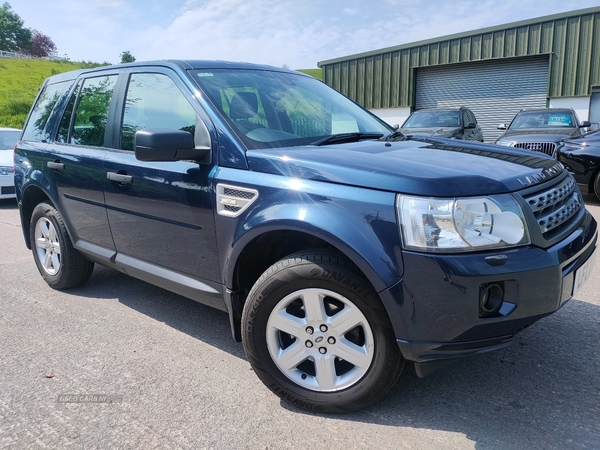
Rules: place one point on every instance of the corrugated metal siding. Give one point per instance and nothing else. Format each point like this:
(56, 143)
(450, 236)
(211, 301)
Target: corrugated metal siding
(383, 77)
(494, 90)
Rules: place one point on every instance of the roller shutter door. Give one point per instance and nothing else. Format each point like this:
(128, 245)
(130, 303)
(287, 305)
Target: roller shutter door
(494, 90)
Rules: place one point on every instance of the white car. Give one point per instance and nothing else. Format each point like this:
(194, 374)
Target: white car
(8, 139)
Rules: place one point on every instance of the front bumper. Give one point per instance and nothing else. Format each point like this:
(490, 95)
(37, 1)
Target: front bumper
(435, 307)
(7, 186)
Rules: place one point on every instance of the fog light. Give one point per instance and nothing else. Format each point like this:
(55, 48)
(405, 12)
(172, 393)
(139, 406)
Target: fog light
(491, 297)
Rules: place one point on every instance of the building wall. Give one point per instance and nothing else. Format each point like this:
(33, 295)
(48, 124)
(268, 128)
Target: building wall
(581, 105)
(384, 79)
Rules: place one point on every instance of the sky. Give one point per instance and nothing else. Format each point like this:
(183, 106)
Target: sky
(296, 34)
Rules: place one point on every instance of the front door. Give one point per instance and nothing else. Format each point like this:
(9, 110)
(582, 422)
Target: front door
(161, 214)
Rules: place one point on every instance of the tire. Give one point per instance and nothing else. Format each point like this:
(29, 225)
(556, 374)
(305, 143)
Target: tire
(317, 335)
(60, 265)
(597, 185)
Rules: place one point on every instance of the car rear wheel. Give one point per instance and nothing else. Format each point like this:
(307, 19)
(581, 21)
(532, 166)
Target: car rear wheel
(597, 185)
(59, 263)
(317, 335)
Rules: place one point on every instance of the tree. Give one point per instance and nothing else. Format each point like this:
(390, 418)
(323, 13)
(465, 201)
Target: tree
(13, 35)
(127, 57)
(41, 45)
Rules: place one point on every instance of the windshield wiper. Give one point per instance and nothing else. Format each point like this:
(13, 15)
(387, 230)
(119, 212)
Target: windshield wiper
(346, 137)
(395, 136)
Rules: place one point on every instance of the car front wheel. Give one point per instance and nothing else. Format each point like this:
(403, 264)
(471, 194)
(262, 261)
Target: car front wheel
(317, 335)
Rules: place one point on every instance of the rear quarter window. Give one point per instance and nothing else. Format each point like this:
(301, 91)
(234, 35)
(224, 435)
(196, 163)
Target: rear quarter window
(42, 109)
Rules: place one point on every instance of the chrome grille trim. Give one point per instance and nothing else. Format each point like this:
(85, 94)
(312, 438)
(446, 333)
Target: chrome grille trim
(555, 206)
(561, 215)
(542, 147)
(552, 196)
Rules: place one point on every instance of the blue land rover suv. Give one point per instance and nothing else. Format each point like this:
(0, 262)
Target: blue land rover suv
(339, 248)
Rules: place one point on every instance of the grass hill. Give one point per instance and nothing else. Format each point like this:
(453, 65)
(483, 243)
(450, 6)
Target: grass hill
(317, 73)
(20, 80)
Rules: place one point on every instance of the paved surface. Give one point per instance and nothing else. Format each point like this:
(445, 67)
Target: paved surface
(180, 381)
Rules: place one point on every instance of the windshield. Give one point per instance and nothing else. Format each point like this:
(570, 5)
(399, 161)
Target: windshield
(542, 119)
(432, 119)
(277, 109)
(8, 139)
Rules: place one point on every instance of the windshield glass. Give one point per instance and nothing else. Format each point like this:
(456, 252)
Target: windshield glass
(431, 119)
(542, 119)
(277, 109)
(8, 139)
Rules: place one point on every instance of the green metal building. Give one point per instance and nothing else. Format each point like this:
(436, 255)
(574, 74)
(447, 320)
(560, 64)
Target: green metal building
(551, 61)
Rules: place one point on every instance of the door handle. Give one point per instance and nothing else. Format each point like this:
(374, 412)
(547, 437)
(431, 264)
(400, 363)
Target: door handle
(56, 165)
(119, 177)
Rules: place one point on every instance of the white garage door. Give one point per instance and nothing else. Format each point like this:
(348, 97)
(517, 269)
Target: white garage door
(494, 90)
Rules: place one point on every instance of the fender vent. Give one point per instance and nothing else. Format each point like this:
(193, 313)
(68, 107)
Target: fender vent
(234, 200)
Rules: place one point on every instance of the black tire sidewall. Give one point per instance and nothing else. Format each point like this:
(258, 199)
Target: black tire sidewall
(45, 210)
(283, 281)
(597, 185)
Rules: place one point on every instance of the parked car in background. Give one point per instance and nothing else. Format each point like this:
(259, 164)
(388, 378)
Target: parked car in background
(8, 139)
(541, 130)
(581, 156)
(453, 123)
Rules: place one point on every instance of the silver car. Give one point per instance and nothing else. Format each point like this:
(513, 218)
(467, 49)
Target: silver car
(8, 139)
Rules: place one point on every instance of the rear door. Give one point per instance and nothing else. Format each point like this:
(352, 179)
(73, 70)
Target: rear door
(74, 162)
(161, 213)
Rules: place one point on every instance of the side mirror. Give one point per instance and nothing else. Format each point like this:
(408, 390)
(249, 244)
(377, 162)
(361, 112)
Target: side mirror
(585, 124)
(470, 125)
(163, 144)
(502, 126)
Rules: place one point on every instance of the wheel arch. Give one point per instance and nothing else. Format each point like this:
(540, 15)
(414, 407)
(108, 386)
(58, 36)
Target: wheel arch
(32, 196)
(262, 247)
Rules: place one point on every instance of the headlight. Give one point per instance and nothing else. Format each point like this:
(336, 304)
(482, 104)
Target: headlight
(506, 143)
(462, 224)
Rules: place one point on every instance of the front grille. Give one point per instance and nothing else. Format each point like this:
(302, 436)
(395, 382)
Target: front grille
(542, 147)
(5, 190)
(554, 208)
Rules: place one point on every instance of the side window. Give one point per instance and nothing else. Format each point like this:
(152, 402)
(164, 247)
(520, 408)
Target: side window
(42, 109)
(65, 123)
(154, 101)
(472, 117)
(91, 113)
(465, 117)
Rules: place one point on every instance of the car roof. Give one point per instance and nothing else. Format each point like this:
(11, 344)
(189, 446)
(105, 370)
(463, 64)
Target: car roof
(9, 129)
(174, 64)
(545, 110)
(440, 109)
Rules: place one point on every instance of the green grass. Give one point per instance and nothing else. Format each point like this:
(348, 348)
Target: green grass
(20, 80)
(317, 73)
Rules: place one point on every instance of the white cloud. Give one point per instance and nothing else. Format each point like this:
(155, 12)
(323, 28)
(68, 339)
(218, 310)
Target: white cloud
(298, 33)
